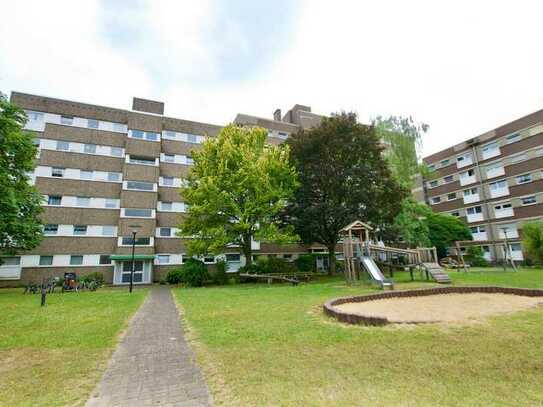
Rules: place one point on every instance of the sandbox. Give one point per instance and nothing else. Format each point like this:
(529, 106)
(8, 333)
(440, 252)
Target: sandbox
(447, 304)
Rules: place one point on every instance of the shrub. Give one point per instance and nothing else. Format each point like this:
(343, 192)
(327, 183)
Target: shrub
(475, 257)
(267, 265)
(219, 276)
(175, 276)
(253, 269)
(96, 277)
(194, 273)
(305, 263)
(532, 233)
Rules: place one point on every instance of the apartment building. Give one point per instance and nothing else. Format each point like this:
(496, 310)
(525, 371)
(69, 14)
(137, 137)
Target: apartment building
(106, 172)
(493, 182)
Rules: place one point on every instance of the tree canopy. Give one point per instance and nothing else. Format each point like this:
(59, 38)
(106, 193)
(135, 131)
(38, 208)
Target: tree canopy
(532, 240)
(20, 227)
(445, 230)
(344, 176)
(403, 137)
(411, 224)
(235, 190)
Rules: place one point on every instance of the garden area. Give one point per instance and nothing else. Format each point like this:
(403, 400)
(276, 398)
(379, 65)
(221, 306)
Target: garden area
(55, 355)
(266, 345)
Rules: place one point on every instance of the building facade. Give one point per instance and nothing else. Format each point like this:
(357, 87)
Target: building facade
(107, 172)
(493, 182)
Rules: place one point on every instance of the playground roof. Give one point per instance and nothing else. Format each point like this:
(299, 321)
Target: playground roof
(356, 225)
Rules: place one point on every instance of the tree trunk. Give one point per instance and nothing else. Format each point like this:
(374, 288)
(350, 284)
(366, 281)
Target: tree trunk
(331, 260)
(247, 251)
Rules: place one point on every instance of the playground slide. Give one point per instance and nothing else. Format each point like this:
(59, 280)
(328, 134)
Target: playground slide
(374, 271)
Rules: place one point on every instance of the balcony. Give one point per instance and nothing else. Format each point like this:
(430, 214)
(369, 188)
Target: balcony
(475, 217)
(512, 232)
(504, 213)
(498, 192)
(479, 236)
(464, 161)
(467, 179)
(495, 172)
(471, 198)
(490, 151)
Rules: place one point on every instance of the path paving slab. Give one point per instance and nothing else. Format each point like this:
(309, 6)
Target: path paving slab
(153, 365)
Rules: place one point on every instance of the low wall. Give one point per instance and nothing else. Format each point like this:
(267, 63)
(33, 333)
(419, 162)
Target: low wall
(342, 316)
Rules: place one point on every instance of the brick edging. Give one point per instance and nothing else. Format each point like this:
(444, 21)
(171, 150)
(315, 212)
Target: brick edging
(330, 309)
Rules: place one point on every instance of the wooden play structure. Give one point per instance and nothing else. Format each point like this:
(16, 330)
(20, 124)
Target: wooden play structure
(364, 259)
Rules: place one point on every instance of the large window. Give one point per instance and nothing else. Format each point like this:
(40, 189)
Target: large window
(138, 213)
(140, 241)
(524, 178)
(529, 200)
(76, 260)
(80, 230)
(140, 186)
(54, 200)
(50, 229)
(63, 145)
(93, 123)
(46, 260)
(144, 135)
(165, 232)
(163, 259)
(141, 160)
(57, 172)
(105, 259)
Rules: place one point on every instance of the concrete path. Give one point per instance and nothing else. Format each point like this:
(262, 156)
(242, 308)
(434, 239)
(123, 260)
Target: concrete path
(153, 365)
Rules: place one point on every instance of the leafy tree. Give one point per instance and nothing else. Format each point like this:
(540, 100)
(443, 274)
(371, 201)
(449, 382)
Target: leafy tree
(445, 230)
(532, 240)
(475, 257)
(403, 137)
(344, 177)
(20, 227)
(411, 224)
(235, 190)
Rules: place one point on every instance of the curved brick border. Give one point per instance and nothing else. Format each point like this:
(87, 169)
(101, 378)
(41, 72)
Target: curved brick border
(330, 309)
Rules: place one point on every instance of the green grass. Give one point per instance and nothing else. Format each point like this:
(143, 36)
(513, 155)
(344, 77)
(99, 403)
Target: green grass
(55, 355)
(263, 345)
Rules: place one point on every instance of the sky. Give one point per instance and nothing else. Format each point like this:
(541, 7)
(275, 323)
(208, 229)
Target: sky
(462, 67)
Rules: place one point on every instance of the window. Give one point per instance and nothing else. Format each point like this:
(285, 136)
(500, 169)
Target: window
(127, 271)
(209, 259)
(108, 230)
(498, 185)
(92, 123)
(444, 163)
(140, 241)
(431, 167)
(76, 260)
(82, 201)
(105, 259)
(11, 261)
(512, 138)
(144, 135)
(191, 138)
(113, 176)
(168, 134)
(140, 185)
(117, 151)
(539, 152)
(34, 116)
(141, 160)
(516, 247)
(119, 127)
(470, 191)
(86, 174)
(167, 181)
(165, 232)
(477, 229)
(451, 196)
(111, 203)
(163, 259)
(54, 200)
(463, 158)
(436, 200)
(151, 136)
(518, 158)
(282, 135)
(138, 213)
(80, 230)
(169, 158)
(67, 120)
(89, 148)
(524, 178)
(36, 142)
(189, 160)
(455, 213)
(166, 206)
(233, 257)
(529, 200)
(63, 146)
(448, 178)
(501, 207)
(490, 150)
(433, 184)
(46, 260)
(474, 210)
(137, 134)
(50, 229)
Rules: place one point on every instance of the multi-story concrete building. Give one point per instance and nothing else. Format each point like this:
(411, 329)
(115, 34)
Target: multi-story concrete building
(494, 182)
(105, 172)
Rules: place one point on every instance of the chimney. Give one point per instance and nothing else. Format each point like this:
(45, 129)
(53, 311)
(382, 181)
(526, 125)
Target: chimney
(277, 115)
(147, 106)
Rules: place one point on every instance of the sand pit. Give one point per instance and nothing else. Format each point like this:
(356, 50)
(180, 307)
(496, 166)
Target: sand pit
(441, 307)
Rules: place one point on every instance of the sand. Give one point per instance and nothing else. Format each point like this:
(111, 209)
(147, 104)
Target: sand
(442, 307)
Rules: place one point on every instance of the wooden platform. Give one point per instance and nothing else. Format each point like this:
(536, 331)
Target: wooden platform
(437, 272)
(270, 278)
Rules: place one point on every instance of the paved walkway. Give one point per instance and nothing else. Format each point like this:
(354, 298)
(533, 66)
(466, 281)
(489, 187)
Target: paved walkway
(153, 365)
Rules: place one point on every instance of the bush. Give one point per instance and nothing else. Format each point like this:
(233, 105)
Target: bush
(194, 273)
(219, 276)
(532, 233)
(252, 269)
(175, 276)
(267, 265)
(475, 257)
(95, 277)
(305, 263)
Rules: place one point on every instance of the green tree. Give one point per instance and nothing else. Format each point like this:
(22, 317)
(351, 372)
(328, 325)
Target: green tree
(532, 240)
(235, 190)
(403, 138)
(445, 230)
(411, 224)
(20, 227)
(344, 177)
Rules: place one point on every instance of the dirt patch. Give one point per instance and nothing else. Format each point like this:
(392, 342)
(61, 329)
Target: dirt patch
(441, 308)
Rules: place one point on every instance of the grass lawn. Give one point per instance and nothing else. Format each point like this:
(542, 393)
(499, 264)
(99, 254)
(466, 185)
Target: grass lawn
(54, 356)
(263, 345)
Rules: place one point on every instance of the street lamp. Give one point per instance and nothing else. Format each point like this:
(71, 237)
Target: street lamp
(134, 229)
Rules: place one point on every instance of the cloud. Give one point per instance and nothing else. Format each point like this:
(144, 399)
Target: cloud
(463, 67)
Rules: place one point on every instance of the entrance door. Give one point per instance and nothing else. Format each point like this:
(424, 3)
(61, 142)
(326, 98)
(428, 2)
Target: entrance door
(142, 272)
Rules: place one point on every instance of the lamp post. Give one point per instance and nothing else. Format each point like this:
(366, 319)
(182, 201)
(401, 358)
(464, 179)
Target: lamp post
(134, 232)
